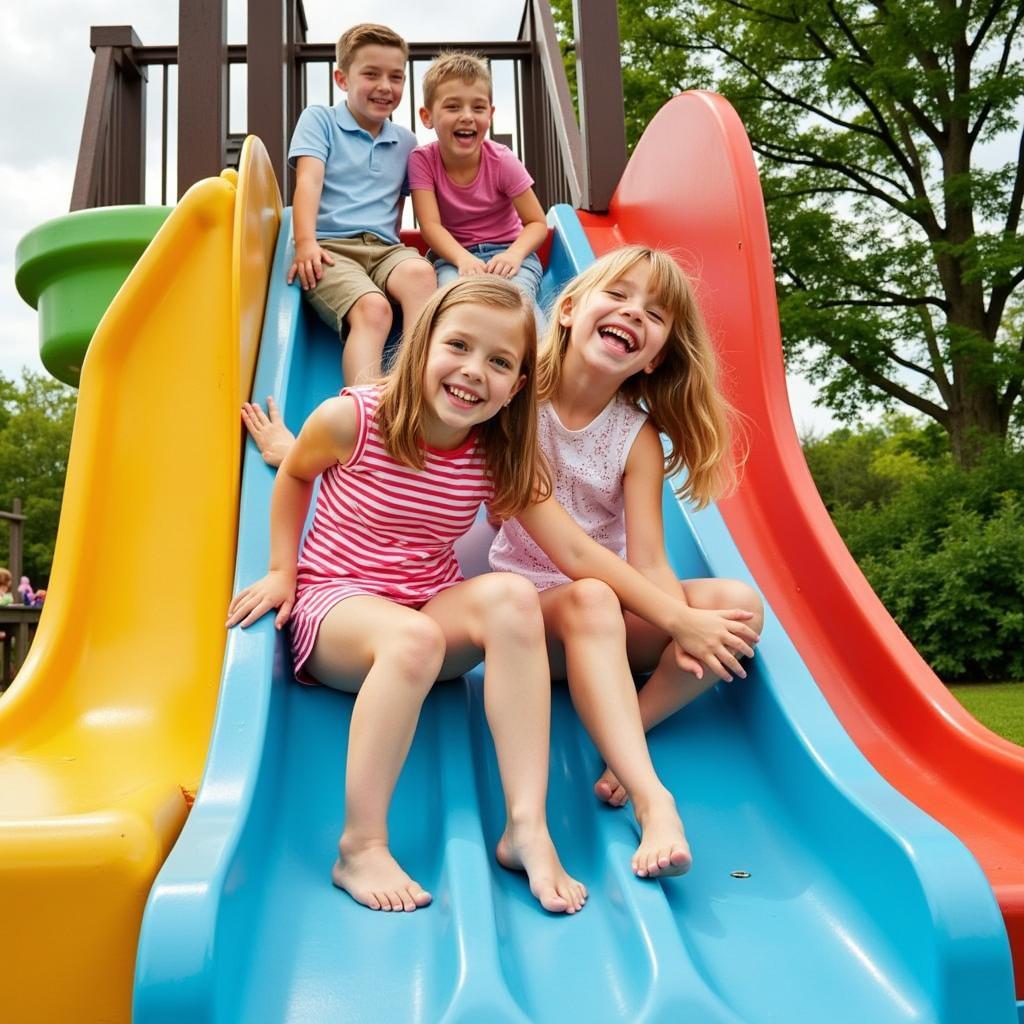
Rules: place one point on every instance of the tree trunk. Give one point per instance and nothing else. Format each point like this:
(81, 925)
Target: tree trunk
(973, 424)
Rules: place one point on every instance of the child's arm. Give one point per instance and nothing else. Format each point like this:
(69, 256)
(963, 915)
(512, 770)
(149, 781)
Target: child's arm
(702, 638)
(642, 485)
(531, 238)
(438, 237)
(309, 257)
(327, 437)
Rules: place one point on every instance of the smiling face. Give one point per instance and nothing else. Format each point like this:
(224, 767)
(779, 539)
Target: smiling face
(460, 113)
(619, 328)
(374, 82)
(473, 368)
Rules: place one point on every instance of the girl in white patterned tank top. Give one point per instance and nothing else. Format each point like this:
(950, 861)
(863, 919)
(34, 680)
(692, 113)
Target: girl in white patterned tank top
(628, 356)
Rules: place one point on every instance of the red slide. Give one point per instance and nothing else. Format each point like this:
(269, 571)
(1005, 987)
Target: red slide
(692, 186)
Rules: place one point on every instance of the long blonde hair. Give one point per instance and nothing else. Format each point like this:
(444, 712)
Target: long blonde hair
(681, 396)
(509, 438)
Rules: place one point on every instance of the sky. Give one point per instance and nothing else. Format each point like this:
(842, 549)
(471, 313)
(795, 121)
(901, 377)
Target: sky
(45, 76)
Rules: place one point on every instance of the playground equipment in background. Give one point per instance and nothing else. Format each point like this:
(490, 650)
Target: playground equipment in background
(104, 733)
(818, 892)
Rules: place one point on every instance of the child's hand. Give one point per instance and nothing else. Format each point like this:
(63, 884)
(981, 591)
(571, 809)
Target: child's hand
(716, 639)
(275, 590)
(504, 264)
(308, 264)
(469, 265)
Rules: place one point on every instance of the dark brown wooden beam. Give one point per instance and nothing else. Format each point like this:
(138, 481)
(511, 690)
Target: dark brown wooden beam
(202, 90)
(266, 79)
(599, 91)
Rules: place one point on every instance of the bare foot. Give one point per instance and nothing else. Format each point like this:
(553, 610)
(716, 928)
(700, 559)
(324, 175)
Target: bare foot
(663, 849)
(371, 876)
(272, 437)
(610, 790)
(532, 851)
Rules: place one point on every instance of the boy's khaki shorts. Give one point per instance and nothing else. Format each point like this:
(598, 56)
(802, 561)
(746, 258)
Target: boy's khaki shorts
(362, 264)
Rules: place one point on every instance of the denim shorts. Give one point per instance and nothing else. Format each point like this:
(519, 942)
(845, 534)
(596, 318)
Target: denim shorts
(527, 279)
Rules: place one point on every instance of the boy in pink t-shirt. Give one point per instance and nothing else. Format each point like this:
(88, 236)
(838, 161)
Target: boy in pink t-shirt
(473, 199)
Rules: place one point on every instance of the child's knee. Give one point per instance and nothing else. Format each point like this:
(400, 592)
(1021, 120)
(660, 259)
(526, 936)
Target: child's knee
(511, 602)
(592, 605)
(417, 649)
(742, 595)
(412, 278)
(371, 311)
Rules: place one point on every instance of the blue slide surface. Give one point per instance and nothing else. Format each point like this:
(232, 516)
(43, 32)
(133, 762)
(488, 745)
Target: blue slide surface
(850, 906)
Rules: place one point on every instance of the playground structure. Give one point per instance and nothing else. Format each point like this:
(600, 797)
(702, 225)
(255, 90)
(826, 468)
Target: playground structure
(857, 907)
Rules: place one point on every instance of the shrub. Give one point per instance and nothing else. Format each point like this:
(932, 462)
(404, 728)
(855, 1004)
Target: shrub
(943, 547)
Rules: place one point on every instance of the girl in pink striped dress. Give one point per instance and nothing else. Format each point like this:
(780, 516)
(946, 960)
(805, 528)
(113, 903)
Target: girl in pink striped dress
(377, 604)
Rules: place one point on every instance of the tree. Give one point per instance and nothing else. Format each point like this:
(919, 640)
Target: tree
(896, 228)
(36, 417)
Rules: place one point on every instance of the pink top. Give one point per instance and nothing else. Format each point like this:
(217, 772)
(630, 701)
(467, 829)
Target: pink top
(587, 466)
(383, 528)
(481, 211)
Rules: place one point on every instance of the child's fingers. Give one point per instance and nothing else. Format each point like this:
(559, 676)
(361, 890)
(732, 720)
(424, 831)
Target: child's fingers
(272, 409)
(284, 614)
(263, 605)
(729, 661)
(688, 663)
(719, 669)
(292, 271)
(327, 257)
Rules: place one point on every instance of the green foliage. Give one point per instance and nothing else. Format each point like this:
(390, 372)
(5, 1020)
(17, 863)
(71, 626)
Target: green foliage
(36, 417)
(898, 255)
(941, 545)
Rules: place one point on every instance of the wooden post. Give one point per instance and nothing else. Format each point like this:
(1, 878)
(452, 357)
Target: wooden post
(602, 110)
(16, 522)
(295, 81)
(202, 90)
(90, 149)
(266, 84)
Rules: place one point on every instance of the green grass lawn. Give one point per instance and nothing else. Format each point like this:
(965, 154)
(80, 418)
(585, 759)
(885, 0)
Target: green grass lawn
(1000, 706)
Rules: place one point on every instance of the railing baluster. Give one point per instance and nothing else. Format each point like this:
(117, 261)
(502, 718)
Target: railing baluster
(111, 164)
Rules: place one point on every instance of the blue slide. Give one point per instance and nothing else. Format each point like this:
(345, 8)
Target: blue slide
(818, 893)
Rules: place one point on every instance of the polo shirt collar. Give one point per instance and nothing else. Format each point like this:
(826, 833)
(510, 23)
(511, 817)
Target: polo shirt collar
(347, 122)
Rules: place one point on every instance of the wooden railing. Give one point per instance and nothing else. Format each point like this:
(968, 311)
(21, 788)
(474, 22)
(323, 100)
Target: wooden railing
(283, 70)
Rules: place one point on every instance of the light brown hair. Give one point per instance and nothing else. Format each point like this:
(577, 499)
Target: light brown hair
(455, 64)
(509, 438)
(681, 396)
(6, 579)
(366, 34)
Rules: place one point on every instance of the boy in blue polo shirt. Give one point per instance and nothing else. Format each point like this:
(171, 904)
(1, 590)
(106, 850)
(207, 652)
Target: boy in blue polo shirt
(350, 162)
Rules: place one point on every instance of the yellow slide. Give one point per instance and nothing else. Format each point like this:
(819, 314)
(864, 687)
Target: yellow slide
(103, 735)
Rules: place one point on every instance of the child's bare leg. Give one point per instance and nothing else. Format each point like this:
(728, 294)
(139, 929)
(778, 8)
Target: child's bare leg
(267, 429)
(410, 284)
(499, 613)
(587, 634)
(369, 323)
(390, 656)
(670, 687)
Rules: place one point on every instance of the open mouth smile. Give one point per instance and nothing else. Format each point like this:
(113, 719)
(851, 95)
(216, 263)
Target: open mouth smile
(621, 335)
(462, 397)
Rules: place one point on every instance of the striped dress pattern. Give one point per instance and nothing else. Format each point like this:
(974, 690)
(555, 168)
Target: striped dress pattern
(382, 528)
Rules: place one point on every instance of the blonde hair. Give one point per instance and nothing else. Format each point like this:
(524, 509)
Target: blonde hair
(455, 64)
(681, 396)
(366, 34)
(6, 579)
(509, 438)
